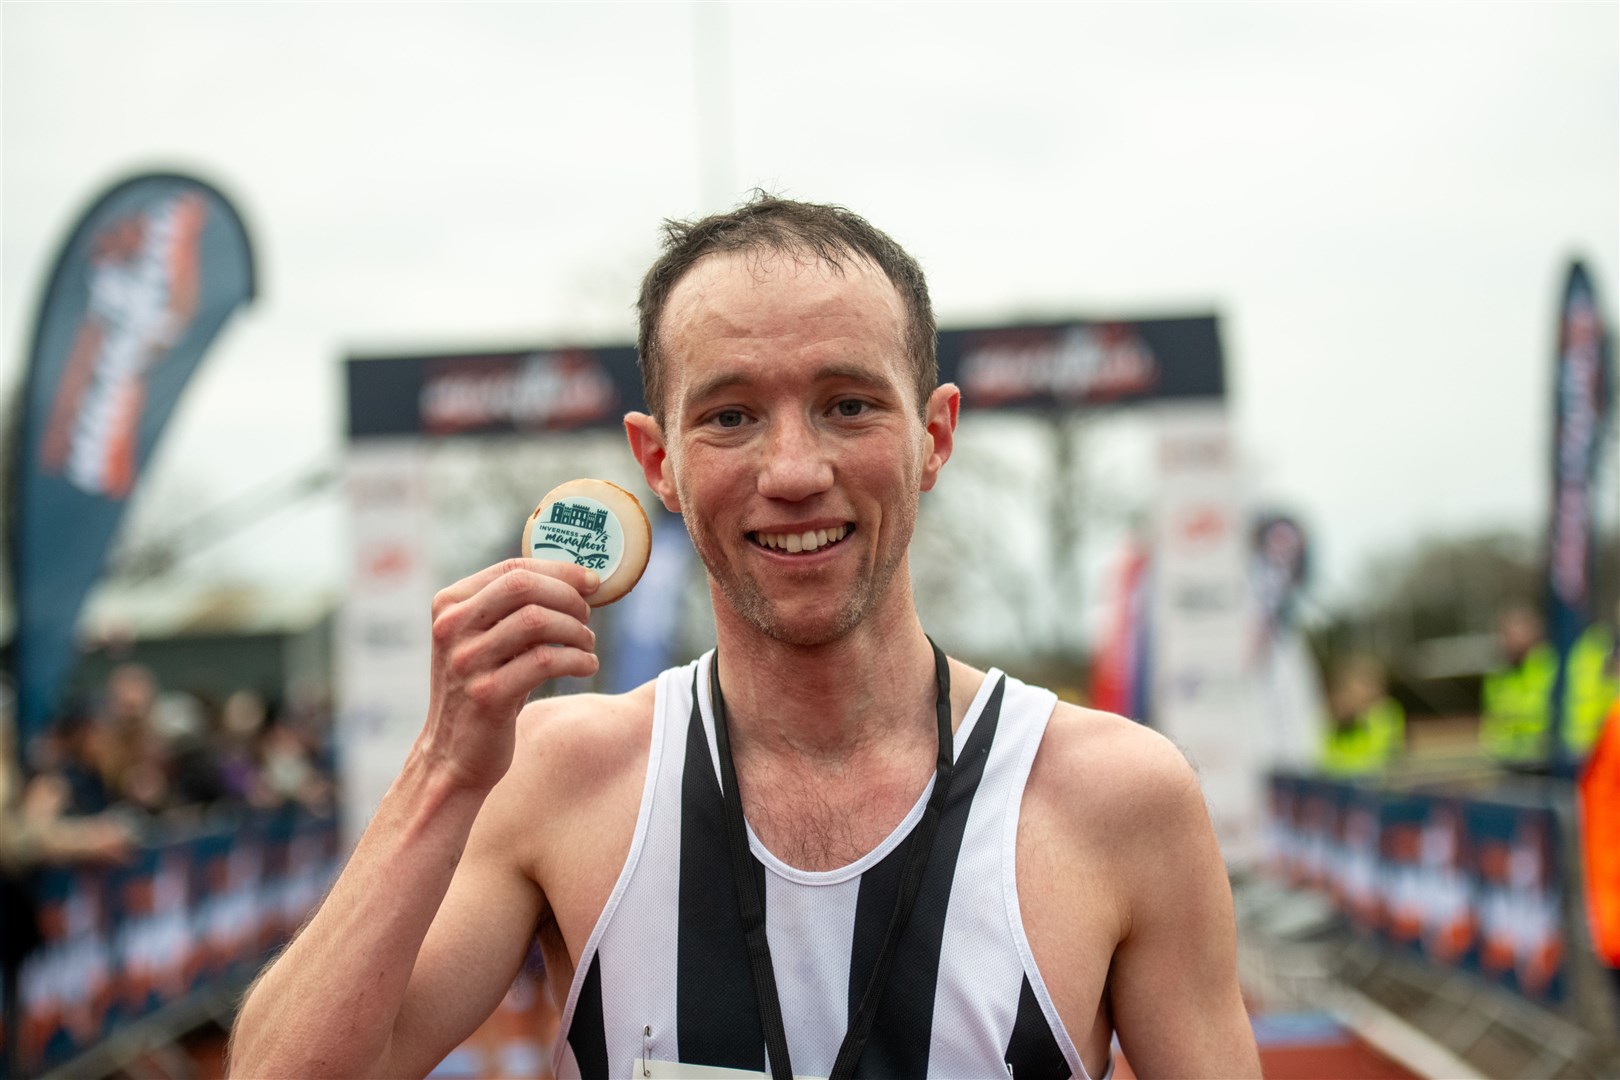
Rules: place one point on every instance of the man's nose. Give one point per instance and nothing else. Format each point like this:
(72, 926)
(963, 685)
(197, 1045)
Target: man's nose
(796, 465)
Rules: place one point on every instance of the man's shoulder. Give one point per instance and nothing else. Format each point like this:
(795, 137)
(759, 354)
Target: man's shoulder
(575, 755)
(1097, 770)
(576, 730)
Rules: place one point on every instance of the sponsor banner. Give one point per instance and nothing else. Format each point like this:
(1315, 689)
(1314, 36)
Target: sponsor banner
(1514, 857)
(492, 393)
(1203, 687)
(1445, 885)
(384, 628)
(145, 282)
(1584, 389)
(1463, 883)
(195, 915)
(1390, 838)
(1050, 366)
(1072, 365)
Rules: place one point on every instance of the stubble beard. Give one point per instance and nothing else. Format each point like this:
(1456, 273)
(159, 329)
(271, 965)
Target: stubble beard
(745, 596)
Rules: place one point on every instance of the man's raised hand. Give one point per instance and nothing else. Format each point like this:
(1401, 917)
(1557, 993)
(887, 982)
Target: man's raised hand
(497, 635)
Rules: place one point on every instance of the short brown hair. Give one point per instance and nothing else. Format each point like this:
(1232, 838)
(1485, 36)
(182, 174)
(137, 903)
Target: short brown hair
(827, 233)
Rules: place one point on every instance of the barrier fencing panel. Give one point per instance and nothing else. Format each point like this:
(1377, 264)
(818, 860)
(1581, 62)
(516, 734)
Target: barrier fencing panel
(193, 914)
(1466, 883)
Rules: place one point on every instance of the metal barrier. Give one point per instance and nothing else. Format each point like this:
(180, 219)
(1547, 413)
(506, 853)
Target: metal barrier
(191, 914)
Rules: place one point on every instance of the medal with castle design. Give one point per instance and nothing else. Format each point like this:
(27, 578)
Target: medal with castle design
(594, 524)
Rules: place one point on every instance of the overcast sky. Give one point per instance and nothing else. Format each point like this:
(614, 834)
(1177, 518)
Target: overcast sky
(1378, 200)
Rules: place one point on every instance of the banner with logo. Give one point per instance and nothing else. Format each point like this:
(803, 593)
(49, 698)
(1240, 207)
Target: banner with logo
(1070, 365)
(1584, 388)
(1038, 366)
(145, 282)
(187, 919)
(533, 392)
(1203, 689)
(383, 643)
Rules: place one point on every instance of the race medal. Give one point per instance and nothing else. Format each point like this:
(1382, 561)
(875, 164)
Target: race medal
(594, 524)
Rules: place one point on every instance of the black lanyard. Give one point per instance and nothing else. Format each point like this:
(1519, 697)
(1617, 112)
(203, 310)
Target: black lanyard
(751, 906)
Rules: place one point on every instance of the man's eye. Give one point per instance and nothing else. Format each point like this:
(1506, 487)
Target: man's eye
(729, 418)
(851, 407)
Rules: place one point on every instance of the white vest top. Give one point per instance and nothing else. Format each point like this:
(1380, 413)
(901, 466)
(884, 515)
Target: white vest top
(665, 977)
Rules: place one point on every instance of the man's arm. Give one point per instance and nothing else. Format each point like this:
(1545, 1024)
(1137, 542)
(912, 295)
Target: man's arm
(1173, 988)
(332, 1003)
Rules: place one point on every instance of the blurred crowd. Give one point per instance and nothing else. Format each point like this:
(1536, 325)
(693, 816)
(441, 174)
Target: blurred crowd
(136, 758)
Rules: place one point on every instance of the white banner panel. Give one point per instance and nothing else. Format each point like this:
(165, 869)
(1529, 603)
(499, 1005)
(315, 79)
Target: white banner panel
(1203, 695)
(384, 634)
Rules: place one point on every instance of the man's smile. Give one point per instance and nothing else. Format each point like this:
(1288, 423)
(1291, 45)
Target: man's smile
(806, 541)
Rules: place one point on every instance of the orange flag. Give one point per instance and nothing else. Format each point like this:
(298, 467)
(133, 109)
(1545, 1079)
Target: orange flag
(1600, 839)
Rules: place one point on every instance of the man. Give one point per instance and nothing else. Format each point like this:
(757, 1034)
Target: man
(1516, 699)
(1068, 882)
(1366, 727)
(1513, 698)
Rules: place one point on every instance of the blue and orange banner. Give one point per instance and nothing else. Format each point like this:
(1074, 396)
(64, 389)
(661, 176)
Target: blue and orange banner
(1465, 883)
(188, 916)
(141, 288)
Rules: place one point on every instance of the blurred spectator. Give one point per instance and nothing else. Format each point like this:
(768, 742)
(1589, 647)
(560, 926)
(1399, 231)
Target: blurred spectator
(188, 748)
(241, 727)
(146, 750)
(134, 765)
(1594, 684)
(36, 826)
(36, 830)
(1366, 727)
(74, 750)
(1513, 708)
(289, 757)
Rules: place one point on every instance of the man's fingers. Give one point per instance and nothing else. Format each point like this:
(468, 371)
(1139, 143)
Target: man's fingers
(580, 579)
(550, 662)
(522, 584)
(514, 680)
(523, 630)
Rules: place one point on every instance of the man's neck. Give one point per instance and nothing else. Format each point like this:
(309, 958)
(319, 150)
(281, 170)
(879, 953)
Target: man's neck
(827, 703)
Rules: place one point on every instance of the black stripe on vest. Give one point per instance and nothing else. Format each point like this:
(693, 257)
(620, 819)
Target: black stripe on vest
(902, 1033)
(587, 1034)
(1033, 1052)
(717, 1015)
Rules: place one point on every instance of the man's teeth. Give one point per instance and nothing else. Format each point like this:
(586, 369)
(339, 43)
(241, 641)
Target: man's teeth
(810, 540)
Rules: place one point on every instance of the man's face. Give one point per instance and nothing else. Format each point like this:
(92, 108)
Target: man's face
(792, 442)
(1518, 631)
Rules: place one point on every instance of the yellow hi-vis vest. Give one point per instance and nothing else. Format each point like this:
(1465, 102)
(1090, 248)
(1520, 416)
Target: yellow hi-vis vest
(1513, 724)
(1592, 688)
(1368, 743)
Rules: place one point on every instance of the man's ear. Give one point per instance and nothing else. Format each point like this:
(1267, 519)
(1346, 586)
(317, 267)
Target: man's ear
(647, 444)
(939, 421)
